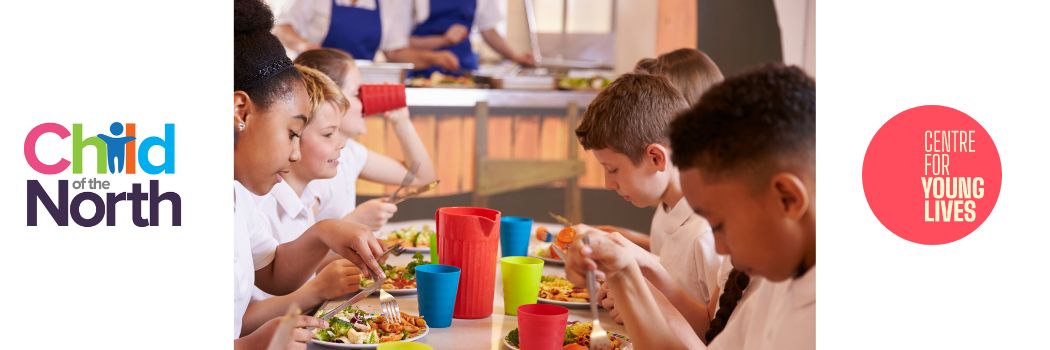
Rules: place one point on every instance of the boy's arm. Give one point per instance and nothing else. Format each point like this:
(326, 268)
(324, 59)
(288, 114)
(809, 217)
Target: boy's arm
(694, 311)
(636, 238)
(638, 314)
(383, 169)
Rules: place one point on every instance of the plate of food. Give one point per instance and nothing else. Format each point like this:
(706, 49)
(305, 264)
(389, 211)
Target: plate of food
(400, 280)
(562, 240)
(410, 238)
(354, 328)
(439, 80)
(543, 252)
(595, 83)
(559, 291)
(577, 337)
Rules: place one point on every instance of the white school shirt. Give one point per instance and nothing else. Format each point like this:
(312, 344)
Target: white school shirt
(777, 315)
(288, 216)
(253, 249)
(686, 247)
(311, 19)
(288, 213)
(337, 196)
(487, 13)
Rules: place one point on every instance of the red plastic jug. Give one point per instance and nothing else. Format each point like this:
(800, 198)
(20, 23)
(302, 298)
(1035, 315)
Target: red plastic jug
(468, 238)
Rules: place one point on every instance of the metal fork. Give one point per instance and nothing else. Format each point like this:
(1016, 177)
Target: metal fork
(407, 180)
(397, 250)
(599, 337)
(389, 306)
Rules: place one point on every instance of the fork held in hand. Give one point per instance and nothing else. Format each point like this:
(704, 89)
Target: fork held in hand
(389, 306)
(407, 180)
(599, 337)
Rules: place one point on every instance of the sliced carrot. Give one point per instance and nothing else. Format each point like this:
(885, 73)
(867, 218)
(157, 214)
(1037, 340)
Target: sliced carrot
(566, 235)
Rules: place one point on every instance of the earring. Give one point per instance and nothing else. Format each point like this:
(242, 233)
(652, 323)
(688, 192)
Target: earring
(240, 126)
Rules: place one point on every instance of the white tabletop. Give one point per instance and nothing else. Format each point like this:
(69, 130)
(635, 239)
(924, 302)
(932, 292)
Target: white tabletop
(486, 333)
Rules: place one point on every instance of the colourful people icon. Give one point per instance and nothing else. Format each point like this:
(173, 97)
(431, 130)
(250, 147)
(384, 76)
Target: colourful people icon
(115, 147)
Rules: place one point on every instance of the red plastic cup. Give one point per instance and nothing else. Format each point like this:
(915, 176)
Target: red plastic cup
(379, 98)
(468, 238)
(541, 326)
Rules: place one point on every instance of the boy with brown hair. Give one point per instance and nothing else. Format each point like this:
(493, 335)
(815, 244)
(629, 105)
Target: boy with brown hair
(747, 153)
(625, 128)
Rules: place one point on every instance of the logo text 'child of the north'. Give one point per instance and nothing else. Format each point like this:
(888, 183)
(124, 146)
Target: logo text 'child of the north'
(119, 152)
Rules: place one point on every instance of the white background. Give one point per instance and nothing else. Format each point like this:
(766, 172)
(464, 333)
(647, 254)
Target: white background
(988, 59)
(96, 62)
(151, 63)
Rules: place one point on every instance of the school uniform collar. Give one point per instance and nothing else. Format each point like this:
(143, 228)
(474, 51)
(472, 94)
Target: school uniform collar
(804, 289)
(288, 202)
(676, 217)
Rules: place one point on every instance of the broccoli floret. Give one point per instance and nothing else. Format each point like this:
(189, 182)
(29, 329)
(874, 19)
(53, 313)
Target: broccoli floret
(512, 337)
(324, 335)
(339, 326)
(410, 269)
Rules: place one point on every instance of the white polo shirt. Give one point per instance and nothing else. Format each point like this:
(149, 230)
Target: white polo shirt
(487, 13)
(780, 315)
(337, 196)
(253, 249)
(686, 247)
(311, 19)
(288, 213)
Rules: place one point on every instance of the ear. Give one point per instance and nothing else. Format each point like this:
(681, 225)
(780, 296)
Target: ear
(656, 154)
(791, 194)
(242, 107)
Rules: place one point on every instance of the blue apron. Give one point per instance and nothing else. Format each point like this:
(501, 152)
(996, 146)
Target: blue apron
(355, 30)
(443, 14)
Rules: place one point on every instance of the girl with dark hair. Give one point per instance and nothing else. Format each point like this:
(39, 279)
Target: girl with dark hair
(270, 112)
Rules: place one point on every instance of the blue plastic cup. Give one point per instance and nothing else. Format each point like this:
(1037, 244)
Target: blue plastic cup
(437, 286)
(514, 233)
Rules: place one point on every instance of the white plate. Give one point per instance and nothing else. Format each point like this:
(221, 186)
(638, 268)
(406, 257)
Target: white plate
(568, 304)
(418, 250)
(626, 344)
(550, 260)
(401, 291)
(365, 346)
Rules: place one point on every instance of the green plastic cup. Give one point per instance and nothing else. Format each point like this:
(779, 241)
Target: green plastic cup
(521, 281)
(403, 345)
(434, 248)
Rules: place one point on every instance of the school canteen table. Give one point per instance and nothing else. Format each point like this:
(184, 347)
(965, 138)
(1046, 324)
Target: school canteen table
(485, 333)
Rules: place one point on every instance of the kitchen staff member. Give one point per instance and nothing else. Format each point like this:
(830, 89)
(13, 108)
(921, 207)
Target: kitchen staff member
(359, 27)
(445, 25)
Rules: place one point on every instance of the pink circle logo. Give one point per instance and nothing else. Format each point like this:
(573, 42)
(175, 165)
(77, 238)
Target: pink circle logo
(932, 175)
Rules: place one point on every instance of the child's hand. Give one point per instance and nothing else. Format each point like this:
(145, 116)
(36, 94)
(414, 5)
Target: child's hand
(301, 335)
(354, 242)
(606, 301)
(606, 253)
(373, 213)
(397, 116)
(456, 33)
(336, 279)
